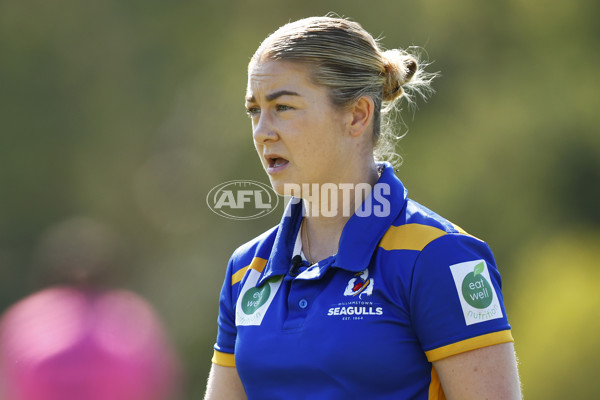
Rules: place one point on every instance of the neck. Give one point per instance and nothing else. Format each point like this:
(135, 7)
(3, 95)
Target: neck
(328, 207)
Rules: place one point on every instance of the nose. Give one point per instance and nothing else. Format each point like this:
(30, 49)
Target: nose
(263, 130)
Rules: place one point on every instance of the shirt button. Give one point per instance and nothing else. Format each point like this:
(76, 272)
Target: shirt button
(303, 304)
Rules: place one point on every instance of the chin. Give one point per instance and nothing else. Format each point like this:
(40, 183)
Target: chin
(284, 187)
(278, 186)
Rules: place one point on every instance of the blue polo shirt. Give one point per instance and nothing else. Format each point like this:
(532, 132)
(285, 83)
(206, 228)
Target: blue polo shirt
(406, 288)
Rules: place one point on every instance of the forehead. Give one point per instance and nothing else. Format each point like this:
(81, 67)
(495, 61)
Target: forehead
(270, 76)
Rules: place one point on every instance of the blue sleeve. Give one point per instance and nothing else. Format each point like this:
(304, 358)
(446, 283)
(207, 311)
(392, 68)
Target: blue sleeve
(456, 301)
(227, 330)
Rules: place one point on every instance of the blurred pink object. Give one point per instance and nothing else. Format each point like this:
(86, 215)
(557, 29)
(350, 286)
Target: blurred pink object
(67, 344)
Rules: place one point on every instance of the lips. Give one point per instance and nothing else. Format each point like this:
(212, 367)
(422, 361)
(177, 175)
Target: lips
(275, 163)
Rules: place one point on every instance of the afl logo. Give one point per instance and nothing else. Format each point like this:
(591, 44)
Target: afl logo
(242, 200)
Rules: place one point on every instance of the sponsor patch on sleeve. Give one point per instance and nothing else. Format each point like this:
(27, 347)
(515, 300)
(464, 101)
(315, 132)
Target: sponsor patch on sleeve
(477, 295)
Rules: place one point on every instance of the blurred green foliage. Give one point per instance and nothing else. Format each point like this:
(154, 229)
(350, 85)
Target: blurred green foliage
(128, 112)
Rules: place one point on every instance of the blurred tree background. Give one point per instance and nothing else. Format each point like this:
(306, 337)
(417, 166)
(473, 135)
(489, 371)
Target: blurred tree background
(118, 117)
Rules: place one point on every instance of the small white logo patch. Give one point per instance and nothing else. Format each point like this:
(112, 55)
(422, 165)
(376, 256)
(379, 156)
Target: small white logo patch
(477, 295)
(253, 302)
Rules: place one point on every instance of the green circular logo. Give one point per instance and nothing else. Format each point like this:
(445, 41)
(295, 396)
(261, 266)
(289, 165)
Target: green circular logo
(254, 298)
(476, 290)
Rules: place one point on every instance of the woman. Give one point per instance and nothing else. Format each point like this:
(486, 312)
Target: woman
(356, 293)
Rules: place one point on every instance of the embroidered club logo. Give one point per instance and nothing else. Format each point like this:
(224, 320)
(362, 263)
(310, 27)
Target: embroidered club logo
(477, 295)
(360, 285)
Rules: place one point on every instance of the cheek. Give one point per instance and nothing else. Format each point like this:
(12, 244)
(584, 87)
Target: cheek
(259, 151)
(324, 137)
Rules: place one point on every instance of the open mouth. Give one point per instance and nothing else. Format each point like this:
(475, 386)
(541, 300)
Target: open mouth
(275, 162)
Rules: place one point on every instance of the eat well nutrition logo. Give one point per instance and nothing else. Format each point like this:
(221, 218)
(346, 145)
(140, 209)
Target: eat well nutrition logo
(477, 295)
(476, 290)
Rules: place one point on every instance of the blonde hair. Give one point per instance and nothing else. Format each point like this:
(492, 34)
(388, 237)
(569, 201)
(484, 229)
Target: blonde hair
(348, 61)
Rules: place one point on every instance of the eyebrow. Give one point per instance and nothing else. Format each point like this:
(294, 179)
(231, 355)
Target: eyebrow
(274, 95)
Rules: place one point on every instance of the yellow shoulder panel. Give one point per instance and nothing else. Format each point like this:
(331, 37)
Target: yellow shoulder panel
(257, 264)
(409, 237)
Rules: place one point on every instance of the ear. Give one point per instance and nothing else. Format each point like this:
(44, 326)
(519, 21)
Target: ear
(362, 114)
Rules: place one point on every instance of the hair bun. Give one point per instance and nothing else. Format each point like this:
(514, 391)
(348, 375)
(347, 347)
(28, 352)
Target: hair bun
(400, 67)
